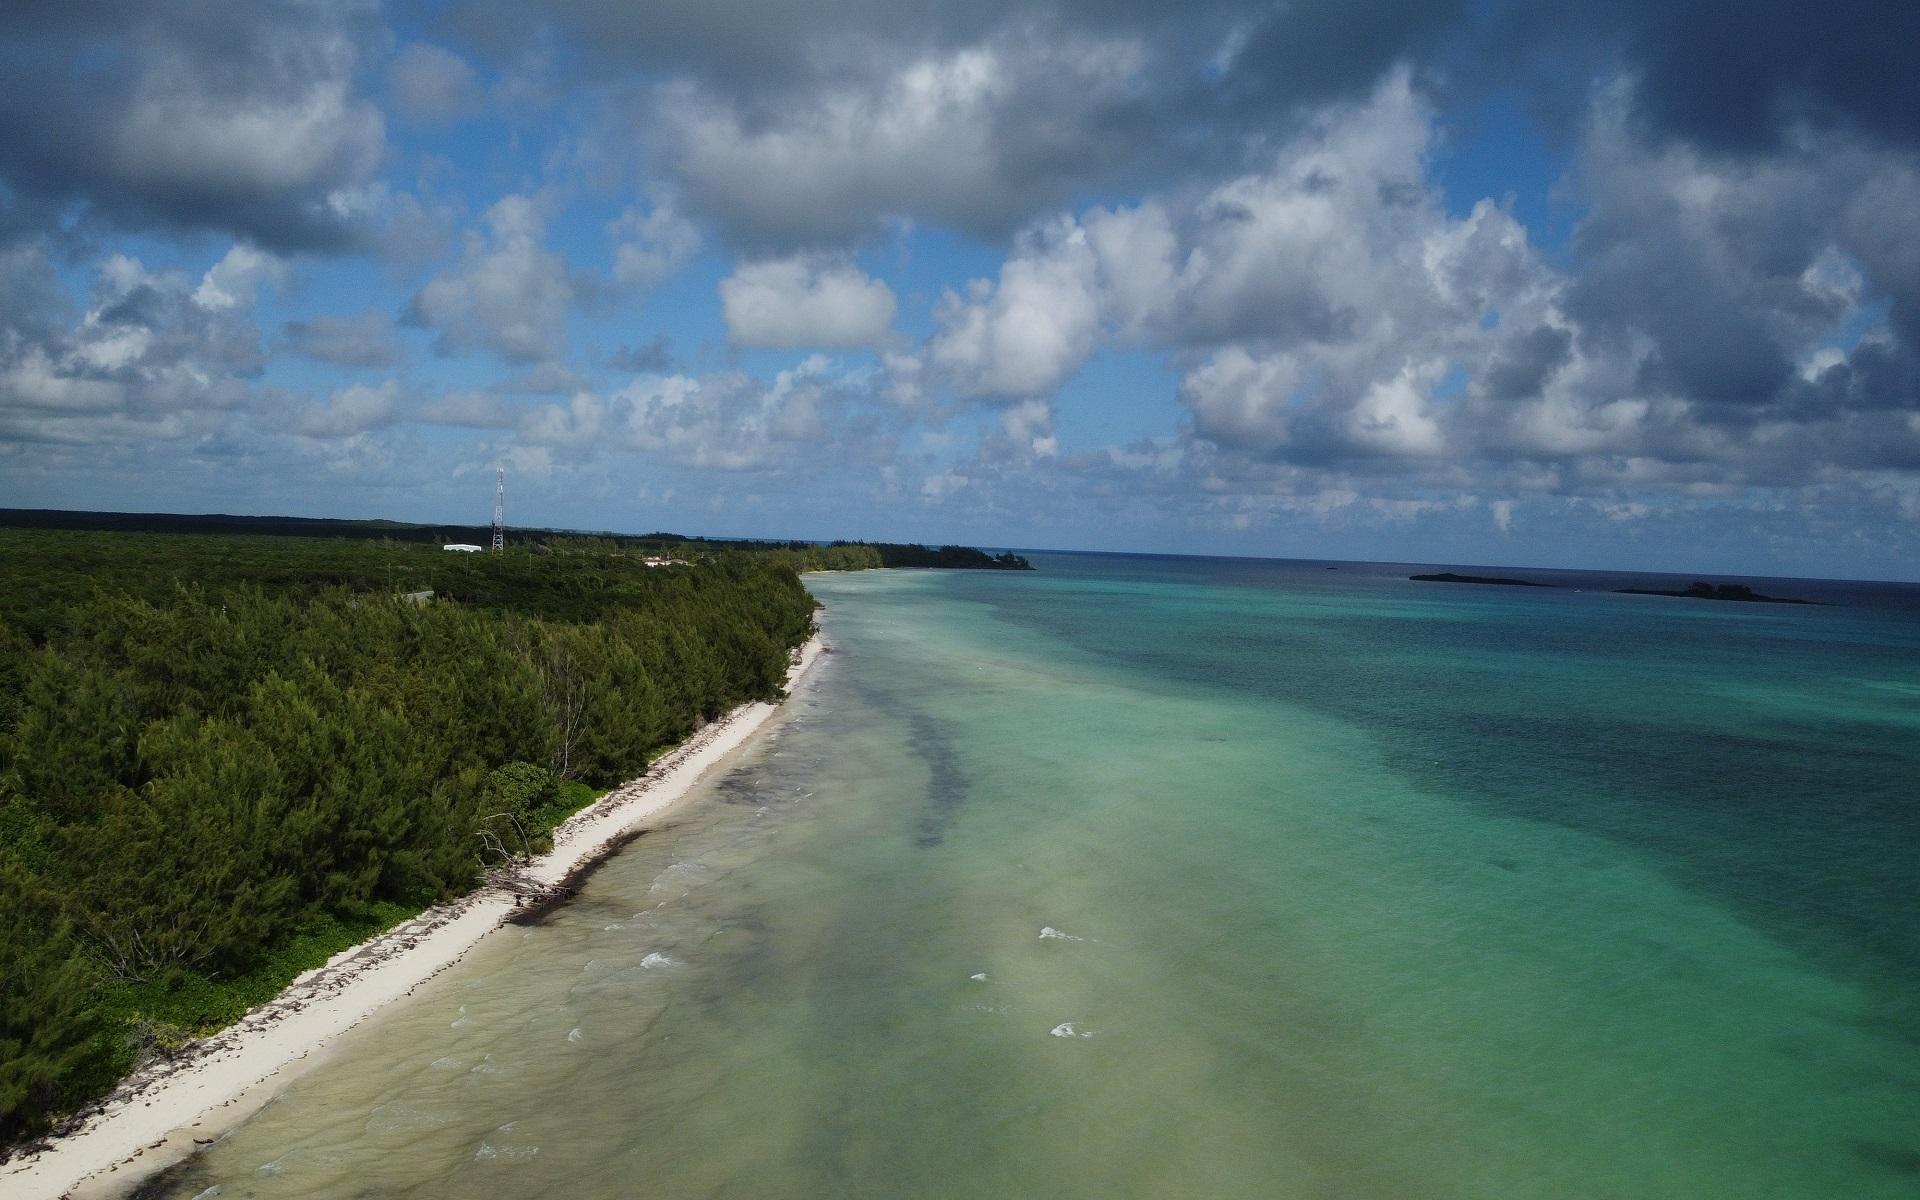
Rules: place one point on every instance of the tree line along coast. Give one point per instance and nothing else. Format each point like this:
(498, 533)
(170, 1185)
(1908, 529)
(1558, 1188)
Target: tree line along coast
(225, 757)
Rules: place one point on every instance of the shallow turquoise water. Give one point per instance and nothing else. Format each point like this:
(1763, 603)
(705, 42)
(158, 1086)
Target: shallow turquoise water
(1283, 882)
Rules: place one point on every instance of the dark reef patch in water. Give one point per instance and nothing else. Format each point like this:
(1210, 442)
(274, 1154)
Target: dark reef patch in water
(189, 1172)
(1901, 1160)
(946, 785)
(946, 782)
(742, 785)
(536, 909)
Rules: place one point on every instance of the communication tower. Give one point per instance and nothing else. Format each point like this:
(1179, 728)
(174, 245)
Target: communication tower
(499, 510)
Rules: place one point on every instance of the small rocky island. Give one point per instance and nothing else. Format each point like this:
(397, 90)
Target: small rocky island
(1496, 580)
(1701, 590)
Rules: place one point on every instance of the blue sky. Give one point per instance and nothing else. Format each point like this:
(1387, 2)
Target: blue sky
(1462, 282)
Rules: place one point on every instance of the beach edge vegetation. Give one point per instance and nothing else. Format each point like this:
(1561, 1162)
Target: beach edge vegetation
(225, 758)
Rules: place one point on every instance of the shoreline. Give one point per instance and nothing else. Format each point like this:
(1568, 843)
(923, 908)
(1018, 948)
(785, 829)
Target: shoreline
(161, 1114)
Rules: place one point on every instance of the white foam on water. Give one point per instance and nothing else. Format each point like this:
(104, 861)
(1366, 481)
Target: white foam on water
(657, 959)
(462, 1023)
(1067, 1029)
(209, 1194)
(980, 978)
(574, 1035)
(488, 1152)
(611, 928)
(446, 1062)
(1049, 933)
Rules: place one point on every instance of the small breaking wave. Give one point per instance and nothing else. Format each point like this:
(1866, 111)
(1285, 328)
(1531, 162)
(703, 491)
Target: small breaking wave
(1067, 1029)
(657, 959)
(1049, 933)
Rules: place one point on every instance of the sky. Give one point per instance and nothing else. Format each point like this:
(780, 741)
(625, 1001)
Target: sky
(1633, 285)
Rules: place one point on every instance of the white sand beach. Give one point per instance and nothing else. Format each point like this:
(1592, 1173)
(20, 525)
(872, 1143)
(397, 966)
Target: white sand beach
(157, 1117)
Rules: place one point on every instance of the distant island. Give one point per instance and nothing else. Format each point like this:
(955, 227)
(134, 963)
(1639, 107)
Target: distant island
(1495, 580)
(1701, 590)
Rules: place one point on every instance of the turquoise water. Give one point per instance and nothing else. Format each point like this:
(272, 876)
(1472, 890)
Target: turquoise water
(1161, 877)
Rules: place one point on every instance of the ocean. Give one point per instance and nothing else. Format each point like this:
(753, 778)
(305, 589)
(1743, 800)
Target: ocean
(1173, 877)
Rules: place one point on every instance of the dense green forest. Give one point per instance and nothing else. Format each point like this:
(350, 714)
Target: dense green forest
(885, 554)
(223, 758)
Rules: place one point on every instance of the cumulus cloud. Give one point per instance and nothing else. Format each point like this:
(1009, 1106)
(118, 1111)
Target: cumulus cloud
(946, 137)
(1249, 194)
(363, 339)
(509, 295)
(473, 410)
(351, 410)
(235, 281)
(805, 302)
(802, 421)
(431, 85)
(1327, 310)
(1845, 66)
(152, 355)
(1026, 333)
(651, 245)
(1318, 302)
(243, 121)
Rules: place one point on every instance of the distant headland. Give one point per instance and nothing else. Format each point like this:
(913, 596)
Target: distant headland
(1701, 590)
(892, 554)
(1697, 590)
(1495, 580)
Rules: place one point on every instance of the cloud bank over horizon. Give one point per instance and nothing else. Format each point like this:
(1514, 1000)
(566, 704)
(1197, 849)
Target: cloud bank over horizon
(1374, 279)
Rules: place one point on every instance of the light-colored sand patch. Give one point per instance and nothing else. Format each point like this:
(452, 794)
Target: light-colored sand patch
(158, 1116)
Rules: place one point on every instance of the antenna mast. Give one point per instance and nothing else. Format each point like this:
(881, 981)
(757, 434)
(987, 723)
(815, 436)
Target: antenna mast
(499, 510)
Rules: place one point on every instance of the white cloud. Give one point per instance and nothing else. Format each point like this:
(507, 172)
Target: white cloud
(179, 129)
(510, 294)
(432, 85)
(476, 410)
(945, 136)
(352, 410)
(1028, 333)
(805, 302)
(235, 281)
(576, 425)
(146, 359)
(652, 245)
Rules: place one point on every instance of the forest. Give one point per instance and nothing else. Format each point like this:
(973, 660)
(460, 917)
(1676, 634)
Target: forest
(885, 554)
(225, 757)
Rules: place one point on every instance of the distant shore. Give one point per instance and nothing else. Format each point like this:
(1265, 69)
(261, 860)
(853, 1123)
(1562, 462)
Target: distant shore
(160, 1115)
